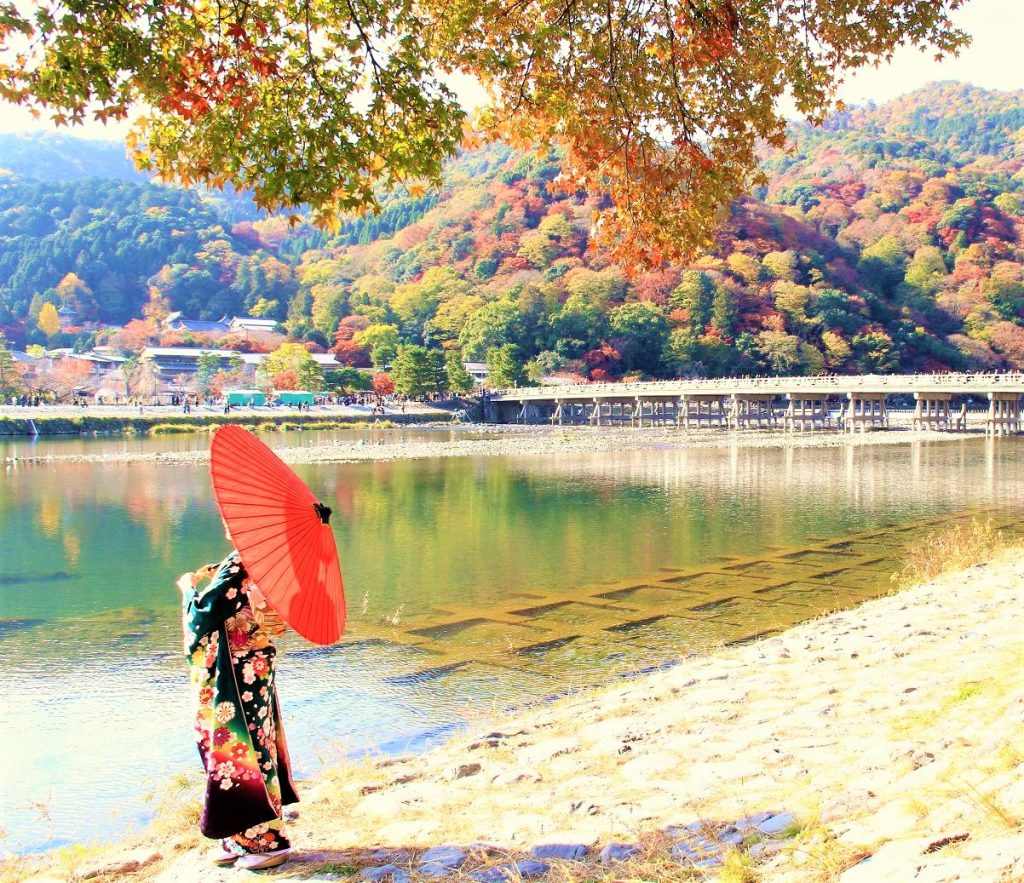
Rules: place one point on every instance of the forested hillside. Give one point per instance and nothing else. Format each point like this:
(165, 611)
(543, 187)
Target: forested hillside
(890, 240)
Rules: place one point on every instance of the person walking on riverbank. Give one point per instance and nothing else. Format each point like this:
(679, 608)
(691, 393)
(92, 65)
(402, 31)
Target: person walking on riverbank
(228, 644)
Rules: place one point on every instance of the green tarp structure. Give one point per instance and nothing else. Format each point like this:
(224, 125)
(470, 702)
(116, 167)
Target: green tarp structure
(293, 397)
(245, 397)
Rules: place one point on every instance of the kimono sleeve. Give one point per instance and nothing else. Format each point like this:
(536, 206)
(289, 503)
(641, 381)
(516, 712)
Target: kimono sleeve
(205, 612)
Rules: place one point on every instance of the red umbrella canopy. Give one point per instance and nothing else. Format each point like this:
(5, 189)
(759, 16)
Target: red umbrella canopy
(281, 532)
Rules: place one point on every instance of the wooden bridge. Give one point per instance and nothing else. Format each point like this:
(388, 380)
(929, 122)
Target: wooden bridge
(849, 403)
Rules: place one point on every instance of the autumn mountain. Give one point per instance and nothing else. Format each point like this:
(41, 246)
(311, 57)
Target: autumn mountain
(889, 240)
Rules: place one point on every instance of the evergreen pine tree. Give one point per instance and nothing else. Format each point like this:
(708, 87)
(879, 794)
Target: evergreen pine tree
(457, 378)
(723, 312)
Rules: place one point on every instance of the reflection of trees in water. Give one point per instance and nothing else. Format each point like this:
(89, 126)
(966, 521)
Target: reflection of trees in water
(962, 472)
(471, 532)
(121, 532)
(418, 533)
(65, 498)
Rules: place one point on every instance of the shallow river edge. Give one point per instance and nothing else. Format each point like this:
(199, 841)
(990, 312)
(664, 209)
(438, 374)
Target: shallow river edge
(879, 743)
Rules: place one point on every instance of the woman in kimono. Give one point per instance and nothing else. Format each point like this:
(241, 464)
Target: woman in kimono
(228, 631)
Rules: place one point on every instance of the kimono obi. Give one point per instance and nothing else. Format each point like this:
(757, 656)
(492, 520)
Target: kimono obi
(254, 626)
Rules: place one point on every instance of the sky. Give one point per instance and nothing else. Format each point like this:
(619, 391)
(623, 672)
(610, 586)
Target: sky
(991, 61)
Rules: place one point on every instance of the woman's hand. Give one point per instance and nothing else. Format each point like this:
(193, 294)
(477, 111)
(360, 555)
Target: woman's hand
(206, 572)
(192, 579)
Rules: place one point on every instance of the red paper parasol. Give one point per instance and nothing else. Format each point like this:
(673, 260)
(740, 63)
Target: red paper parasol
(281, 532)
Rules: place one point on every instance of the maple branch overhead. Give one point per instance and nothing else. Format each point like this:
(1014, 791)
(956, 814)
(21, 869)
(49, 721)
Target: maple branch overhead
(235, 85)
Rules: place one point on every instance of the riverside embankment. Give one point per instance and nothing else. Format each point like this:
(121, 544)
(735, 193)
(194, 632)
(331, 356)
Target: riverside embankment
(885, 741)
(51, 420)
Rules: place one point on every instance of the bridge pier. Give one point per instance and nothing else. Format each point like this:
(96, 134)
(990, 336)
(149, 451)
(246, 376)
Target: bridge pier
(866, 410)
(503, 411)
(660, 409)
(933, 411)
(1003, 416)
(753, 409)
(807, 411)
(581, 412)
(565, 412)
(620, 411)
(612, 412)
(532, 412)
(702, 410)
(575, 412)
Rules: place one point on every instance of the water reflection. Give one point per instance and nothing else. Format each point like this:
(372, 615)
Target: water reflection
(471, 583)
(872, 475)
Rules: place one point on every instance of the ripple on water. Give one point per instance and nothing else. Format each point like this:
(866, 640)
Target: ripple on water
(18, 579)
(10, 626)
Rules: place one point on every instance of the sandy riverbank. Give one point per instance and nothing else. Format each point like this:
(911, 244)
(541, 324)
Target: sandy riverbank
(891, 732)
(507, 441)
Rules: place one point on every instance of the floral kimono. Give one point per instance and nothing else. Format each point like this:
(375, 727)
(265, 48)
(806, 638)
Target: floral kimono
(238, 725)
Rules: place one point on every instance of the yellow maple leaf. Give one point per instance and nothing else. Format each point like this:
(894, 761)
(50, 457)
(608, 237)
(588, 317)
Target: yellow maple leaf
(329, 219)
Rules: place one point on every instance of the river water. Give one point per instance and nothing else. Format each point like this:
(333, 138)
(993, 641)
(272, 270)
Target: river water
(473, 585)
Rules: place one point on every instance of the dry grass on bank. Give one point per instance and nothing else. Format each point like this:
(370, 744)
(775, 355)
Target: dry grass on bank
(951, 548)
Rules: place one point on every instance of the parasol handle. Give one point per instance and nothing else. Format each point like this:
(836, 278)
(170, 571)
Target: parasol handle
(324, 512)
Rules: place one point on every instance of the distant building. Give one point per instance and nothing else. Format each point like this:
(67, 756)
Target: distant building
(259, 330)
(177, 322)
(100, 363)
(240, 324)
(252, 361)
(29, 365)
(66, 317)
(172, 360)
(477, 370)
(327, 361)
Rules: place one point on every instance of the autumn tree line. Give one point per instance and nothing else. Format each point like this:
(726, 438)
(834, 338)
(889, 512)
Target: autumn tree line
(887, 241)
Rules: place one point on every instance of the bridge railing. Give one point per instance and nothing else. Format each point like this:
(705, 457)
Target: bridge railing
(829, 383)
